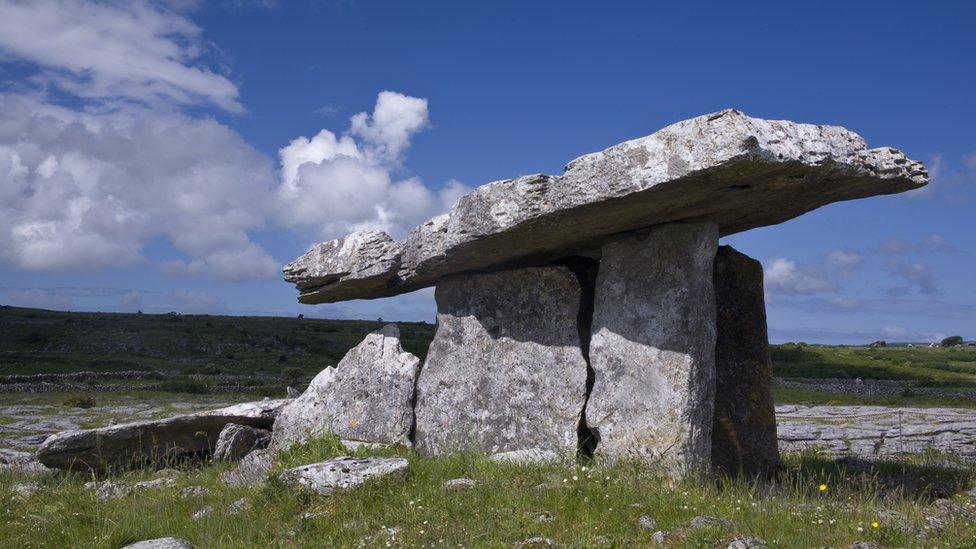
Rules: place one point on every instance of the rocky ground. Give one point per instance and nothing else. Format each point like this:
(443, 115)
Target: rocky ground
(875, 387)
(27, 419)
(867, 431)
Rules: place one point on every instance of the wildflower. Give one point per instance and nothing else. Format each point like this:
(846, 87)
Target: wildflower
(823, 487)
(859, 529)
(874, 524)
(575, 477)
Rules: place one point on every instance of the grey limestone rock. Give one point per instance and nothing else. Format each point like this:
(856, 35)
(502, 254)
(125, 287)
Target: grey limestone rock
(744, 427)
(341, 473)
(160, 543)
(653, 348)
(250, 471)
(504, 371)
(150, 442)
(367, 397)
(236, 441)
(727, 168)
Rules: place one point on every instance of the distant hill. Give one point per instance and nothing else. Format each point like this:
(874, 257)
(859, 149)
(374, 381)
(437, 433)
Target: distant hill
(35, 341)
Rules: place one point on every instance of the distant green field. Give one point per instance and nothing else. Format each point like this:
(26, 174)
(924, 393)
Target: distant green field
(929, 367)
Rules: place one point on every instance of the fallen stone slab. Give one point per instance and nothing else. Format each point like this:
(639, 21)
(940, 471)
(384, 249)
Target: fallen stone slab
(744, 425)
(21, 463)
(367, 397)
(154, 442)
(504, 371)
(726, 168)
(341, 473)
(653, 348)
(160, 543)
(236, 441)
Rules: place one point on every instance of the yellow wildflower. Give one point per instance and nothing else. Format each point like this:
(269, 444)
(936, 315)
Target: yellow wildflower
(874, 524)
(823, 487)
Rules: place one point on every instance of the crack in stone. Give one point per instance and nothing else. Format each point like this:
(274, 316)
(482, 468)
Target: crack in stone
(585, 269)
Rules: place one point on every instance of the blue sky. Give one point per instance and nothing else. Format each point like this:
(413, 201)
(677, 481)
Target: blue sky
(168, 155)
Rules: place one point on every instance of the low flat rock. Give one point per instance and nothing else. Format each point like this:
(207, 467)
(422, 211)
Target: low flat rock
(505, 371)
(876, 431)
(367, 397)
(727, 168)
(341, 473)
(653, 348)
(744, 428)
(151, 442)
(160, 543)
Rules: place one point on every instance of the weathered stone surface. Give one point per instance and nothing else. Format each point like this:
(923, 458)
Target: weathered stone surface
(368, 397)
(21, 463)
(653, 348)
(744, 428)
(154, 442)
(341, 473)
(361, 260)
(727, 168)
(456, 484)
(160, 543)
(504, 371)
(876, 431)
(236, 441)
(530, 456)
(250, 471)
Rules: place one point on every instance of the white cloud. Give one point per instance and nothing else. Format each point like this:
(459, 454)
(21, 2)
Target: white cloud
(916, 275)
(934, 243)
(845, 303)
(114, 50)
(844, 261)
(131, 301)
(88, 191)
(893, 331)
(785, 276)
(336, 184)
(196, 302)
(39, 299)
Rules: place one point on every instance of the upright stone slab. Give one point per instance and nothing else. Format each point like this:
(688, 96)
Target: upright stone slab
(367, 397)
(744, 429)
(653, 348)
(504, 371)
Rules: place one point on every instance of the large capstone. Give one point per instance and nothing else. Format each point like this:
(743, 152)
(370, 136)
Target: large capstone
(367, 397)
(504, 371)
(744, 429)
(727, 168)
(155, 442)
(653, 348)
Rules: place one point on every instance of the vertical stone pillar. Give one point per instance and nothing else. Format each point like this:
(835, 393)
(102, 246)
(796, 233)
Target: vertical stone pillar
(505, 371)
(653, 348)
(744, 431)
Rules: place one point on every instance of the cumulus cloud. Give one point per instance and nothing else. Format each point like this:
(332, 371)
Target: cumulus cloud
(88, 191)
(114, 50)
(786, 276)
(335, 184)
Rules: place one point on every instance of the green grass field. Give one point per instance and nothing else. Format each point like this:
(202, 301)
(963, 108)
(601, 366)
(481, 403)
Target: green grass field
(573, 504)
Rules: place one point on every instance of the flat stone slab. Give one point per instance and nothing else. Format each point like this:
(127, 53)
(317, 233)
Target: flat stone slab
(160, 543)
(151, 442)
(341, 473)
(505, 370)
(876, 431)
(728, 168)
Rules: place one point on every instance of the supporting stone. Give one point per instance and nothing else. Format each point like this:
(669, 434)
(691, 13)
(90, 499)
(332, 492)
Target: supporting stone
(504, 371)
(653, 348)
(744, 430)
(367, 397)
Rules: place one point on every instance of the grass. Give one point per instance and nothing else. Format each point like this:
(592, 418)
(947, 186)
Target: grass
(588, 506)
(794, 395)
(932, 367)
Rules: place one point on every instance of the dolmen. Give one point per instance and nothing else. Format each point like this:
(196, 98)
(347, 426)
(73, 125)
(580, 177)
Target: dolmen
(593, 311)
